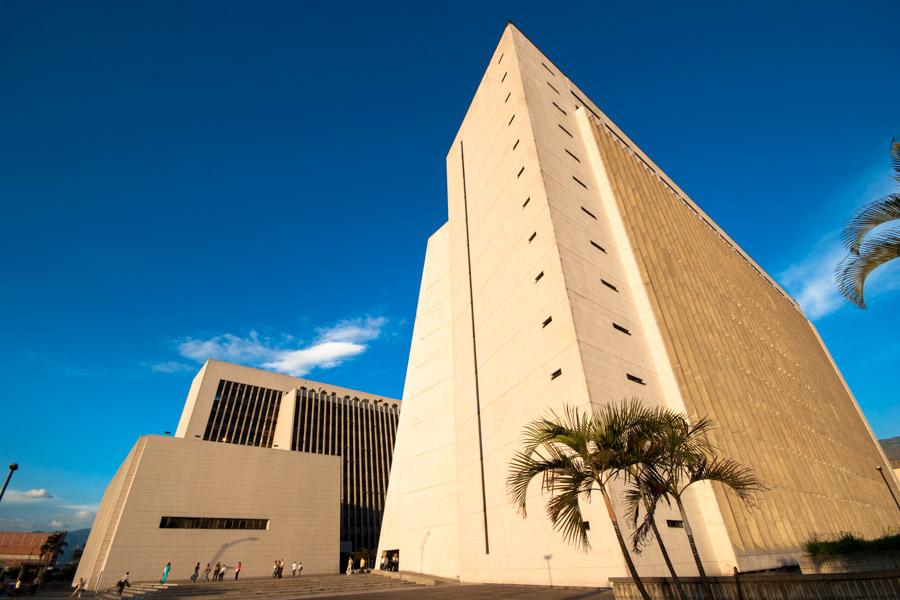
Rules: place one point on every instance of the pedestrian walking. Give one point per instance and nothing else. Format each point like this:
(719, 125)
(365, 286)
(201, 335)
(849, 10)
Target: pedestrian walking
(362, 565)
(122, 583)
(166, 572)
(299, 568)
(237, 571)
(196, 574)
(216, 571)
(206, 572)
(222, 572)
(349, 565)
(79, 587)
(281, 569)
(275, 569)
(294, 569)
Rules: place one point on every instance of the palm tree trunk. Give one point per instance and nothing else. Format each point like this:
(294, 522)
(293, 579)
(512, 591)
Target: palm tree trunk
(690, 535)
(628, 562)
(665, 553)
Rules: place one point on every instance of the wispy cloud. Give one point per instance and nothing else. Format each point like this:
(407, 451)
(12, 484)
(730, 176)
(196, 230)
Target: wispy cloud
(170, 366)
(21, 497)
(811, 280)
(41, 493)
(331, 347)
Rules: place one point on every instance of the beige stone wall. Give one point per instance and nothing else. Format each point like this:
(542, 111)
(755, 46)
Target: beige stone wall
(421, 513)
(298, 493)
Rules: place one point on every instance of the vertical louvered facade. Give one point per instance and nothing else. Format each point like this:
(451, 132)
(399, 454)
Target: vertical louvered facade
(362, 431)
(240, 405)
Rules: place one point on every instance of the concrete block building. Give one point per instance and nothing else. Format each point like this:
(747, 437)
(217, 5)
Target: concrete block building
(262, 467)
(573, 270)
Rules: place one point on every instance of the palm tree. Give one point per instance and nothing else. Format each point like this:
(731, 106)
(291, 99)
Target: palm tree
(576, 454)
(867, 251)
(646, 491)
(648, 487)
(686, 457)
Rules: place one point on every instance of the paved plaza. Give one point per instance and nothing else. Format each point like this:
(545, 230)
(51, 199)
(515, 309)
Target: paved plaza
(368, 587)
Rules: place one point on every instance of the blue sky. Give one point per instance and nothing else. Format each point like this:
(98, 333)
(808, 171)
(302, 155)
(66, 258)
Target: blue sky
(256, 180)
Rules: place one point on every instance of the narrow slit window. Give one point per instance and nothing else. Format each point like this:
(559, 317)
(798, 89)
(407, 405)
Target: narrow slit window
(516, 145)
(547, 321)
(566, 130)
(609, 285)
(675, 524)
(527, 200)
(560, 108)
(519, 174)
(580, 182)
(500, 60)
(635, 378)
(533, 235)
(555, 374)
(589, 213)
(548, 69)
(507, 98)
(620, 328)
(552, 88)
(539, 275)
(511, 119)
(502, 79)
(573, 156)
(598, 246)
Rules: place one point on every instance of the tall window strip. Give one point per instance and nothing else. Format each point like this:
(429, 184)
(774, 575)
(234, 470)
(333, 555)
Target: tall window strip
(237, 411)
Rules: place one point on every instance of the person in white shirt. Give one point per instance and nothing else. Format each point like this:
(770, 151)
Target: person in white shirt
(294, 569)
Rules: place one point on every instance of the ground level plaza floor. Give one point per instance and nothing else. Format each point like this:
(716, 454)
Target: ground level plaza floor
(184, 501)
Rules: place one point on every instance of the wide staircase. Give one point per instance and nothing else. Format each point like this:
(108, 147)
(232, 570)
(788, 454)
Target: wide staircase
(263, 588)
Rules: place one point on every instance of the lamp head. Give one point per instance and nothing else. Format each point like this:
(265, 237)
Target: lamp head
(14, 467)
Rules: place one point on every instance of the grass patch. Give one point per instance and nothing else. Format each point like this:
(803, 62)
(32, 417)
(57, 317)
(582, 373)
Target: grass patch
(847, 543)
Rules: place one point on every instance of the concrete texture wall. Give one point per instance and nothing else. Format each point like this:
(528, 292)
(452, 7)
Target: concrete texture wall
(163, 476)
(421, 515)
(580, 274)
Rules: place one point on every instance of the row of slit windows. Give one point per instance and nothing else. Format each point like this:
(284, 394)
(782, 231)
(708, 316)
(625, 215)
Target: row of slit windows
(211, 523)
(531, 238)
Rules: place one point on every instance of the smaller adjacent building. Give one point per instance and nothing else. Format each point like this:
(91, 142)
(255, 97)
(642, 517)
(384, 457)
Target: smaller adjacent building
(27, 555)
(262, 467)
(186, 501)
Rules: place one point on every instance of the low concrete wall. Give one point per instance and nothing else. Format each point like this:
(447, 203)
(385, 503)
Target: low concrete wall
(850, 563)
(843, 586)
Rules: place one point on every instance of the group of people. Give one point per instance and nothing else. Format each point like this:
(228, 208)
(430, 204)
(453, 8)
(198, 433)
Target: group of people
(278, 569)
(217, 575)
(390, 563)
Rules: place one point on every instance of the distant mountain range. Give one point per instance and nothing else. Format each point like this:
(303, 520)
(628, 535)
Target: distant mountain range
(74, 539)
(892, 449)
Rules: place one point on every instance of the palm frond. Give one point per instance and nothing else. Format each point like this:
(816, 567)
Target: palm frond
(522, 471)
(563, 507)
(895, 157)
(851, 273)
(729, 473)
(634, 502)
(868, 218)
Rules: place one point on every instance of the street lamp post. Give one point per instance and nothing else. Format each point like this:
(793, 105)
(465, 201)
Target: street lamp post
(889, 486)
(12, 469)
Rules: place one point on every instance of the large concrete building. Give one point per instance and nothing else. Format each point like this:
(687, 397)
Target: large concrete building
(573, 270)
(262, 466)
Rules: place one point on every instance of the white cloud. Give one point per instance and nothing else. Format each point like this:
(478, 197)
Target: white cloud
(811, 281)
(56, 524)
(355, 331)
(28, 496)
(41, 493)
(82, 514)
(170, 366)
(332, 346)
